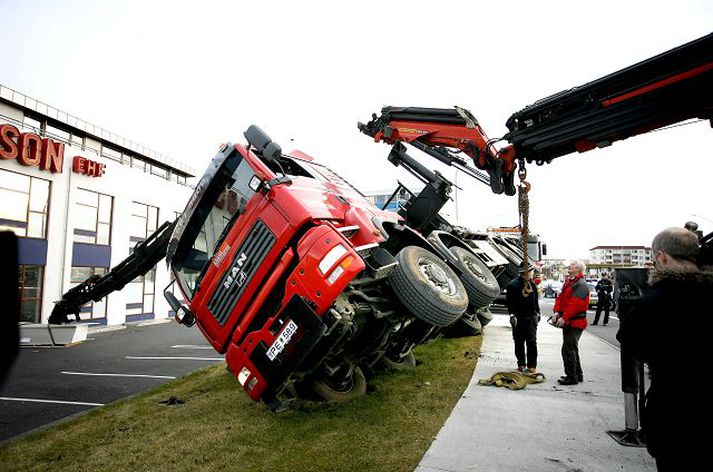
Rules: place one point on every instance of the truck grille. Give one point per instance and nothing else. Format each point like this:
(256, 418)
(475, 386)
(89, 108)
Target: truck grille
(248, 259)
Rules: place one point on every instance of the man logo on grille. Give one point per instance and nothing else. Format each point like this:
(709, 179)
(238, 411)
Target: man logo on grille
(236, 273)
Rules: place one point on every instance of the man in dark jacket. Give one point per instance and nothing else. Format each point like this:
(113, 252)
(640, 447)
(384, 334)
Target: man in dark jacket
(523, 305)
(669, 329)
(604, 290)
(571, 315)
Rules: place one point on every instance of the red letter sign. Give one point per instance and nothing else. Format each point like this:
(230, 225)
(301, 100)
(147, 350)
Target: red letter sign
(8, 141)
(52, 156)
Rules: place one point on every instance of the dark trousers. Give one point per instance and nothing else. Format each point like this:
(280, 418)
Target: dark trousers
(570, 352)
(602, 306)
(525, 335)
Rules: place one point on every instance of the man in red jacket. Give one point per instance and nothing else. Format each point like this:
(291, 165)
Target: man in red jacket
(571, 315)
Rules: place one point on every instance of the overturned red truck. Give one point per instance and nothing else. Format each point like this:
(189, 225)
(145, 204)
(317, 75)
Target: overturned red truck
(301, 281)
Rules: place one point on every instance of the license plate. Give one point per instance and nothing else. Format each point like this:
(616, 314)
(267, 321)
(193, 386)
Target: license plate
(282, 340)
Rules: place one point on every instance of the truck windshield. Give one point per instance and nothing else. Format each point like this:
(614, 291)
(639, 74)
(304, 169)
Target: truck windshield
(210, 222)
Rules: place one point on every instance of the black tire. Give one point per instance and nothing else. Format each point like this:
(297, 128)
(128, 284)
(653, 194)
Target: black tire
(480, 284)
(503, 280)
(427, 287)
(407, 362)
(484, 316)
(356, 388)
(514, 261)
(468, 325)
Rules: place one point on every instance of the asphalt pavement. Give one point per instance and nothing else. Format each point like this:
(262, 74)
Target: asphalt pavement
(546, 427)
(49, 384)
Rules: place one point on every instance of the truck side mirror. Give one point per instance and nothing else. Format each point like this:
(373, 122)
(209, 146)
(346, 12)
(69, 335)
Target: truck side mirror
(257, 138)
(272, 152)
(264, 146)
(544, 249)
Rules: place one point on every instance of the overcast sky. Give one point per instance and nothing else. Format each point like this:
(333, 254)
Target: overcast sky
(182, 77)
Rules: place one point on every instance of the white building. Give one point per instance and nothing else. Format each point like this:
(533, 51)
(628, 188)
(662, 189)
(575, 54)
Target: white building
(79, 198)
(379, 198)
(620, 255)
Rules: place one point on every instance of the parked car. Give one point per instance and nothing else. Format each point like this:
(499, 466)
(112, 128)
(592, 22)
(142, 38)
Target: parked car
(593, 297)
(551, 288)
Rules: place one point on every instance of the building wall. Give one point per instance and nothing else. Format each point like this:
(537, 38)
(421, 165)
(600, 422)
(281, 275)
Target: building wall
(126, 185)
(620, 255)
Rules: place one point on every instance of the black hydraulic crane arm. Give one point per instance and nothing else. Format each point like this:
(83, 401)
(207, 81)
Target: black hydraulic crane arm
(144, 256)
(668, 88)
(671, 87)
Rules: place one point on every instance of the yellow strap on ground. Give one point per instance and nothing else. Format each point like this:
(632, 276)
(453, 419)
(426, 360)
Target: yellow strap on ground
(513, 380)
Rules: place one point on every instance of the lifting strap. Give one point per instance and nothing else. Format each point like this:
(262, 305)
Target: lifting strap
(513, 380)
(523, 206)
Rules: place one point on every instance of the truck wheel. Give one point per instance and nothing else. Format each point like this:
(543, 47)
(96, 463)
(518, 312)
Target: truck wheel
(479, 282)
(484, 316)
(354, 387)
(427, 287)
(468, 325)
(407, 362)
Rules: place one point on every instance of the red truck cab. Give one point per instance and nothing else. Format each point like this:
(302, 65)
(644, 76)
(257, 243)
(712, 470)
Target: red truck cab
(261, 253)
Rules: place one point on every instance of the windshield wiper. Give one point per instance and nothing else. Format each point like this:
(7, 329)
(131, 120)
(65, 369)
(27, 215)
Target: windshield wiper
(227, 227)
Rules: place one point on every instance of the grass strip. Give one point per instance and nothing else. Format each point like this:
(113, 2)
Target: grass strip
(220, 428)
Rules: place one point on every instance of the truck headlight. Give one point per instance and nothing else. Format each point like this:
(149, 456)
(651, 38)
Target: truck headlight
(339, 270)
(331, 257)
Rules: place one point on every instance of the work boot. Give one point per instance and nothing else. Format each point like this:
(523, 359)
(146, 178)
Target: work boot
(532, 370)
(567, 381)
(521, 368)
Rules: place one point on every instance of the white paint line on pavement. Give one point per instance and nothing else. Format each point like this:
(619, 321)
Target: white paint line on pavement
(603, 340)
(39, 400)
(141, 376)
(173, 358)
(190, 346)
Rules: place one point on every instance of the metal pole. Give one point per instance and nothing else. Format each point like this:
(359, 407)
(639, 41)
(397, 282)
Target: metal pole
(628, 284)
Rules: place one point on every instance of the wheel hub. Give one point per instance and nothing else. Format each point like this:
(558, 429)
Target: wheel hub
(475, 270)
(437, 277)
(341, 383)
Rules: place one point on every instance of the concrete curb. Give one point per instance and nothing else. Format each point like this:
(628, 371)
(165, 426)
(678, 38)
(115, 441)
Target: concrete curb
(105, 329)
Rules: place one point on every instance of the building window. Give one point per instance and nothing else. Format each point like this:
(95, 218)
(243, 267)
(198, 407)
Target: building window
(112, 154)
(33, 124)
(57, 134)
(140, 292)
(161, 172)
(138, 163)
(25, 204)
(144, 221)
(91, 310)
(93, 215)
(30, 284)
(77, 141)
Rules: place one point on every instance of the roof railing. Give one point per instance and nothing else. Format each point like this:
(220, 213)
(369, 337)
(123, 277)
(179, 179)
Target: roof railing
(72, 121)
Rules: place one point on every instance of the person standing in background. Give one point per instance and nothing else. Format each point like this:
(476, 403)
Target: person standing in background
(524, 309)
(571, 315)
(604, 290)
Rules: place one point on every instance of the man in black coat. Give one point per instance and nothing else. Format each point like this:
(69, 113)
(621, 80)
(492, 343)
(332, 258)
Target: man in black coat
(524, 310)
(669, 329)
(604, 290)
